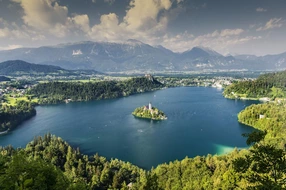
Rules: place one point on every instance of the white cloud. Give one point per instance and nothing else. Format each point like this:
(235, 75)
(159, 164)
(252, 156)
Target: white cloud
(108, 29)
(43, 14)
(260, 9)
(221, 41)
(94, 1)
(47, 16)
(143, 15)
(4, 32)
(12, 31)
(10, 47)
(272, 23)
(144, 20)
(82, 22)
(230, 32)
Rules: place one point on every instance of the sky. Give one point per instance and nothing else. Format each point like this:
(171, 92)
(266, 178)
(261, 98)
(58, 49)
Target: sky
(234, 27)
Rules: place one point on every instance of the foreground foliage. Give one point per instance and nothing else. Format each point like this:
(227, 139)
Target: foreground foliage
(57, 163)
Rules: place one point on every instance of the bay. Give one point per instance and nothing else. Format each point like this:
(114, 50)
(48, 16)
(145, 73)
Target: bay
(200, 122)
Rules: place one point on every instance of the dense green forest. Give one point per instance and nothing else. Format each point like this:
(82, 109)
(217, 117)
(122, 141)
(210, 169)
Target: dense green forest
(271, 85)
(270, 117)
(12, 116)
(50, 163)
(56, 92)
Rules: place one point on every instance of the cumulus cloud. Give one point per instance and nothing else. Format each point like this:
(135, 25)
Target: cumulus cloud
(260, 9)
(108, 29)
(42, 14)
(143, 15)
(272, 23)
(144, 20)
(12, 30)
(82, 22)
(49, 16)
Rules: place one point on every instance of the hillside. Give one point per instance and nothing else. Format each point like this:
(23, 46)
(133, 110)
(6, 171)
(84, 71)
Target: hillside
(271, 85)
(2, 78)
(134, 55)
(18, 67)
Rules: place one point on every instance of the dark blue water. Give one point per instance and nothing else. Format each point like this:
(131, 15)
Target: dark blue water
(200, 122)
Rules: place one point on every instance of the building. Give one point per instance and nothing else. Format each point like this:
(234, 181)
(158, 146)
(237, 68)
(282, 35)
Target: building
(150, 106)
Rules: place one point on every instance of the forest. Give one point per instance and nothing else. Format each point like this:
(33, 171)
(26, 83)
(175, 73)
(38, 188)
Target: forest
(12, 116)
(272, 85)
(57, 92)
(51, 163)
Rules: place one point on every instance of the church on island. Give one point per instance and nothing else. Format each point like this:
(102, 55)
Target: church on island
(149, 107)
(149, 112)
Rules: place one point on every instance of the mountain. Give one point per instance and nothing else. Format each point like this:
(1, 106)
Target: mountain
(133, 55)
(2, 78)
(18, 67)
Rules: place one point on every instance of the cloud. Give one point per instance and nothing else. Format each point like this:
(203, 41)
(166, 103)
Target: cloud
(272, 23)
(82, 22)
(110, 2)
(4, 32)
(12, 31)
(218, 40)
(230, 32)
(47, 16)
(94, 1)
(144, 20)
(108, 29)
(260, 9)
(10, 47)
(42, 14)
(143, 15)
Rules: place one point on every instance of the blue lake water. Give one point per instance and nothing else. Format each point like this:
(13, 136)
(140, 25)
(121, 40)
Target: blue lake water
(200, 122)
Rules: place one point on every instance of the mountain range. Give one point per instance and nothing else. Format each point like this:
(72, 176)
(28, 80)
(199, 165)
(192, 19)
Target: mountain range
(134, 55)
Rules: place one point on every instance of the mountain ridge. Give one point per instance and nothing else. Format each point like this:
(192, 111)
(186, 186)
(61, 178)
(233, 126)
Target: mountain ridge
(19, 67)
(134, 55)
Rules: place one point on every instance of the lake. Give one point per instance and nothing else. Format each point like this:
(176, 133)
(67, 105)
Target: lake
(200, 122)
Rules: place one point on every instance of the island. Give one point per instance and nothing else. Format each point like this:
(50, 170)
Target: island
(149, 112)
